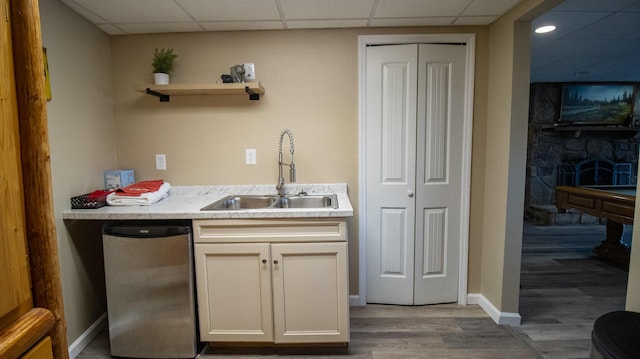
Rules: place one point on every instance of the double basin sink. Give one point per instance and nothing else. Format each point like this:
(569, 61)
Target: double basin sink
(239, 202)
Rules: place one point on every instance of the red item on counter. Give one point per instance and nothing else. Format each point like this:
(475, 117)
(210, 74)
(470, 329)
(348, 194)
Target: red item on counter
(139, 188)
(97, 194)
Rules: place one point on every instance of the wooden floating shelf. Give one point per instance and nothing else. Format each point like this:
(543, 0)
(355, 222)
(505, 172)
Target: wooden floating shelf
(164, 92)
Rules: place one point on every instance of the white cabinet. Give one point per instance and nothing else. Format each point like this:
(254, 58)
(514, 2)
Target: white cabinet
(310, 294)
(234, 292)
(281, 281)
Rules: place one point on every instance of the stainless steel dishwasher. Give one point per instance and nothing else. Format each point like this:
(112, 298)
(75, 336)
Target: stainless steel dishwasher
(150, 291)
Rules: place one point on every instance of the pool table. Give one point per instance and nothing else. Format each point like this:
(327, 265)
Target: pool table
(614, 203)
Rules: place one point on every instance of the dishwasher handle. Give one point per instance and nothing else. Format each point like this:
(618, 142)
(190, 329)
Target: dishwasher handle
(145, 231)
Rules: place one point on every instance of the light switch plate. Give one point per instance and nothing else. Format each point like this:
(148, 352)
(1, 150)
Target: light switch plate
(250, 156)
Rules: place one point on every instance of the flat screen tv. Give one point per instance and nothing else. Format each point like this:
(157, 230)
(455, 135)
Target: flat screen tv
(597, 104)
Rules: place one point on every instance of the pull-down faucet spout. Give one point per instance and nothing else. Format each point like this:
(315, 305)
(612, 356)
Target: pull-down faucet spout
(292, 165)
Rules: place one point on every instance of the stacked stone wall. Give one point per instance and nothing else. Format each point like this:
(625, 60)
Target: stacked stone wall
(547, 148)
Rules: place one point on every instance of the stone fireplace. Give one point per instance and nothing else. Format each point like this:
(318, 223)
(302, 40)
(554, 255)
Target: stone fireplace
(552, 151)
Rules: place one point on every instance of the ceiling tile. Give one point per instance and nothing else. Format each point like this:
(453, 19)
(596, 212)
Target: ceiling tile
(568, 47)
(539, 62)
(616, 26)
(423, 21)
(607, 48)
(623, 74)
(241, 25)
(160, 27)
(620, 76)
(489, 7)
(84, 12)
(326, 9)
(608, 63)
(635, 7)
(474, 20)
(565, 70)
(110, 29)
(419, 8)
(138, 11)
(320, 24)
(594, 5)
(229, 10)
(566, 23)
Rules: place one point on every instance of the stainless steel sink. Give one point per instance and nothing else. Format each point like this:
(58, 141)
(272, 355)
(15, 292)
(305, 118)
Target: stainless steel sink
(324, 201)
(238, 202)
(241, 202)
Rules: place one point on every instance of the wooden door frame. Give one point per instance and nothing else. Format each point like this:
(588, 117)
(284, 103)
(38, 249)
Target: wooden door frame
(36, 167)
(363, 42)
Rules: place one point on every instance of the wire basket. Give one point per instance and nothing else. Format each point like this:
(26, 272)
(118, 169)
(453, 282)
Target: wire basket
(86, 201)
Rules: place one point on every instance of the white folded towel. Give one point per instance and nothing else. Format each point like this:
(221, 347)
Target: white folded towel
(144, 199)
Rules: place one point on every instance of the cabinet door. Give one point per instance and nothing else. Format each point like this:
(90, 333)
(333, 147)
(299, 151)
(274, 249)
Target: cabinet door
(310, 292)
(15, 281)
(234, 292)
(42, 350)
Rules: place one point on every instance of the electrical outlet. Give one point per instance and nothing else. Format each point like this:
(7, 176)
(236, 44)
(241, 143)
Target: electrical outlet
(249, 72)
(250, 156)
(161, 162)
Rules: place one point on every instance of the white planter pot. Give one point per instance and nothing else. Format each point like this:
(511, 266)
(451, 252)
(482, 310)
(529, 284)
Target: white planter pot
(160, 78)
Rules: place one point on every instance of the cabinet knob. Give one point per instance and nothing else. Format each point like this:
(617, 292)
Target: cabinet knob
(410, 193)
(264, 261)
(275, 261)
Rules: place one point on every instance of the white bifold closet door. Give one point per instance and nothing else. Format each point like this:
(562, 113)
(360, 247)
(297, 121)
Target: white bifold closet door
(414, 140)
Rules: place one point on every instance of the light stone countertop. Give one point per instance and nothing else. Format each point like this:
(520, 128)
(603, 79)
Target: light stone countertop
(184, 202)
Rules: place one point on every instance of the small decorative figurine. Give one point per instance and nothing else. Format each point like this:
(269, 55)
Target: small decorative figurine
(237, 73)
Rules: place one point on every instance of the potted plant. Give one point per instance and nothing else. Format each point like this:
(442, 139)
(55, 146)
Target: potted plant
(162, 65)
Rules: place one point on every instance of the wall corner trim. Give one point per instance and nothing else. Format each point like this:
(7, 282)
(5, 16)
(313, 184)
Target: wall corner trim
(87, 336)
(501, 318)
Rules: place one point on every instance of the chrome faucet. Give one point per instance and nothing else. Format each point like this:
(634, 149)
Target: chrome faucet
(292, 165)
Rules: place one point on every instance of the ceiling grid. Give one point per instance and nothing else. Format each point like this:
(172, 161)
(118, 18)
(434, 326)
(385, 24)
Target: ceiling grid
(595, 40)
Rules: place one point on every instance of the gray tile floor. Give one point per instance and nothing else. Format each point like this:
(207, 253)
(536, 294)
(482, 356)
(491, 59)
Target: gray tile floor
(564, 289)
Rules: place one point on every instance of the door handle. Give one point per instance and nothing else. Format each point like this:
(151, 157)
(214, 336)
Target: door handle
(264, 261)
(410, 193)
(275, 261)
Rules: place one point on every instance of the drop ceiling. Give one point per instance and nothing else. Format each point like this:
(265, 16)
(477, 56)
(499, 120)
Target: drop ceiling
(595, 40)
(119, 17)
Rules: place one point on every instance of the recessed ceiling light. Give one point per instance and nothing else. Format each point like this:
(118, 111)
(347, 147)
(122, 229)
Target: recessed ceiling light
(545, 29)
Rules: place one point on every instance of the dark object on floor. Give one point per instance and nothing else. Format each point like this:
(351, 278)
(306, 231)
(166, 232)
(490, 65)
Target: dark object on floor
(616, 335)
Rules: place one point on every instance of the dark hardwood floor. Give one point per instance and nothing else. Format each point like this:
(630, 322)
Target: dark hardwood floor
(564, 289)
(390, 332)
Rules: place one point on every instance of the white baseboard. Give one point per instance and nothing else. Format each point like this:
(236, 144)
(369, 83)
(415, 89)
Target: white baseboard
(501, 318)
(87, 336)
(354, 301)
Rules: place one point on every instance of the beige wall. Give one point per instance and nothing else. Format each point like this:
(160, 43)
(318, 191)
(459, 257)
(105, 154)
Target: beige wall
(82, 141)
(311, 82)
(504, 173)
(506, 131)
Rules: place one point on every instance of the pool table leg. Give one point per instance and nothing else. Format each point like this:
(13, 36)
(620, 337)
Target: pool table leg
(612, 247)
